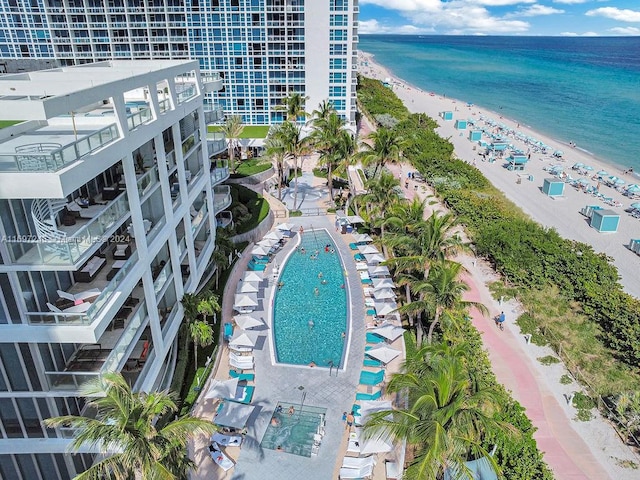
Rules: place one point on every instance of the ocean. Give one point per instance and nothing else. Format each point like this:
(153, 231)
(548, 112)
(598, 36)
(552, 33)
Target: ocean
(585, 90)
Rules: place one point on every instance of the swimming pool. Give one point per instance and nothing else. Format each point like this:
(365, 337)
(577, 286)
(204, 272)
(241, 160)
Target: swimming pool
(310, 309)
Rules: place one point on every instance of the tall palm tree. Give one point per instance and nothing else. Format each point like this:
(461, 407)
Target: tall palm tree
(125, 423)
(275, 149)
(386, 146)
(448, 416)
(232, 129)
(380, 197)
(441, 294)
(295, 146)
(294, 106)
(202, 335)
(325, 108)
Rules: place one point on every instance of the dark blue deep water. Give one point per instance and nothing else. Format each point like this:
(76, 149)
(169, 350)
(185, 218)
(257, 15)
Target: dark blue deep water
(585, 90)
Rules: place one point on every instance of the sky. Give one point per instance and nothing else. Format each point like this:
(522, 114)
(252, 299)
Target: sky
(501, 17)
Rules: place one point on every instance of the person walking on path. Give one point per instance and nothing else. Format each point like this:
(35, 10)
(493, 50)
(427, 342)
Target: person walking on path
(350, 419)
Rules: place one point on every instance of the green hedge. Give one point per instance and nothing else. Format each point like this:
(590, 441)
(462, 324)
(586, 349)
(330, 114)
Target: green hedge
(378, 99)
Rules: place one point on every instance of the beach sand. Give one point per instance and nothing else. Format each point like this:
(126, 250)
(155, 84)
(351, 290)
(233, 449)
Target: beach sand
(562, 214)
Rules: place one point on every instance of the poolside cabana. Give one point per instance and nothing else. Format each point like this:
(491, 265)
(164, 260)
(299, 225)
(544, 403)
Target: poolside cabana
(252, 276)
(274, 235)
(222, 388)
(363, 238)
(233, 415)
(368, 249)
(243, 339)
(247, 321)
(245, 302)
(390, 332)
(384, 354)
(247, 287)
(379, 271)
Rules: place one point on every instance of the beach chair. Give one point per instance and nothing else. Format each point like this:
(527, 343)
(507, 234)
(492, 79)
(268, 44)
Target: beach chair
(372, 362)
(248, 377)
(371, 378)
(373, 338)
(369, 396)
(226, 440)
(353, 246)
(220, 458)
(356, 472)
(358, 462)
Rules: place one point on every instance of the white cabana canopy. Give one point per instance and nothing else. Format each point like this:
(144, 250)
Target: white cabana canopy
(247, 321)
(285, 227)
(222, 389)
(248, 287)
(368, 249)
(275, 235)
(383, 283)
(260, 250)
(379, 271)
(377, 444)
(233, 414)
(245, 300)
(390, 332)
(363, 238)
(385, 308)
(252, 276)
(243, 339)
(384, 354)
(367, 407)
(352, 219)
(374, 258)
(267, 242)
(383, 294)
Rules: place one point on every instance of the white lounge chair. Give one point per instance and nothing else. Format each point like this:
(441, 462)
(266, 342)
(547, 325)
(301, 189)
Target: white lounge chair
(358, 462)
(80, 308)
(84, 295)
(243, 362)
(220, 458)
(356, 472)
(227, 440)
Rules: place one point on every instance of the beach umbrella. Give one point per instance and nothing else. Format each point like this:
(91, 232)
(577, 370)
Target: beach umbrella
(619, 182)
(385, 308)
(384, 294)
(558, 153)
(602, 173)
(252, 276)
(583, 181)
(222, 389)
(368, 249)
(363, 238)
(245, 300)
(379, 271)
(374, 258)
(578, 165)
(588, 168)
(248, 287)
(233, 414)
(384, 354)
(383, 283)
(260, 250)
(635, 205)
(633, 188)
(267, 242)
(275, 235)
(247, 321)
(390, 332)
(285, 227)
(243, 339)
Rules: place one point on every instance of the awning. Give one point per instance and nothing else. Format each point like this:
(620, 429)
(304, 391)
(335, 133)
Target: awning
(222, 389)
(233, 414)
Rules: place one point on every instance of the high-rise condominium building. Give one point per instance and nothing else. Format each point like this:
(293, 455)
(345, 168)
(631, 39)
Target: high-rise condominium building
(264, 49)
(107, 217)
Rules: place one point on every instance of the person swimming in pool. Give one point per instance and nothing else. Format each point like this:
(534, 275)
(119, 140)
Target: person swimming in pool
(311, 323)
(316, 291)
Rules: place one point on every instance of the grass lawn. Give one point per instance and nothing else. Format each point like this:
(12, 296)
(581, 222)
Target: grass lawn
(257, 205)
(8, 123)
(252, 166)
(249, 131)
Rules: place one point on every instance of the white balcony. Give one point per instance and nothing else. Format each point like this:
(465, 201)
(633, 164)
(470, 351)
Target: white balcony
(211, 83)
(216, 143)
(219, 172)
(221, 198)
(213, 114)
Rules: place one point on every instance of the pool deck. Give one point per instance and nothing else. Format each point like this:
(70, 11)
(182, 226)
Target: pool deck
(280, 383)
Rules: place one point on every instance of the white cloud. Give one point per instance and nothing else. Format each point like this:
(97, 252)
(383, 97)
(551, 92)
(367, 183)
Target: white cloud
(456, 16)
(620, 14)
(574, 34)
(373, 27)
(534, 11)
(625, 30)
(571, 2)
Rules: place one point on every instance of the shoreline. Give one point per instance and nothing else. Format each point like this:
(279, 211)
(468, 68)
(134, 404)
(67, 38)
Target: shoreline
(611, 164)
(524, 188)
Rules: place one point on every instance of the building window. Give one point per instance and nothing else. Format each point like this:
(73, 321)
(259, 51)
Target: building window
(337, 64)
(336, 35)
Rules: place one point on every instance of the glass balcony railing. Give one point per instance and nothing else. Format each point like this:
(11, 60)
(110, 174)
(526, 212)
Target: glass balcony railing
(190, 142)
(36, 158)
(49, 318)
(139, 118)
(171, 160)
(221, 197)
(147, 181)
(157, 228)
(182, 246)
(216, 143)
(125, 340)
(220, 172)
(69, 380)
(187, 94)
(165, 105)
(198, 219)
(213, 114)
(161, 279)
(69, 251)
(112, 288)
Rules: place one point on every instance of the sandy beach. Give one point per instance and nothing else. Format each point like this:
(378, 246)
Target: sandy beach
(563, 213)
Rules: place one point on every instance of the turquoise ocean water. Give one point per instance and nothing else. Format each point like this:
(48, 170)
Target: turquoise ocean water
(585, 90)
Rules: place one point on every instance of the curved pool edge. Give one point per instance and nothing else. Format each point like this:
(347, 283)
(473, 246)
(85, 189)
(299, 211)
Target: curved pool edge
(274, 281)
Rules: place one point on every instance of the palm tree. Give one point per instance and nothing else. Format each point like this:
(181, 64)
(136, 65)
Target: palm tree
(202, 335)
(293, 104)
(325, 108)
(448, 416)
(275, 149)
(380, 197)
(441, 294)
(232, 130)
(386, 147)
(332, 141)
(294, 146)
(125, 423)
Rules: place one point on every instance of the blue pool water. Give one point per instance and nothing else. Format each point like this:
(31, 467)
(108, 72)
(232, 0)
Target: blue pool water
(296, 305)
